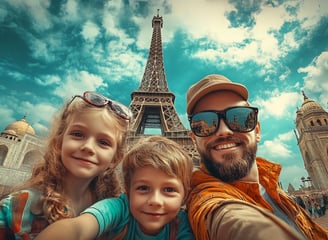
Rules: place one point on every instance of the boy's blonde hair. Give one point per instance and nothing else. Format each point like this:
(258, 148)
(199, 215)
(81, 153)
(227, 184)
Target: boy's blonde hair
(161, 153)
(48, 175)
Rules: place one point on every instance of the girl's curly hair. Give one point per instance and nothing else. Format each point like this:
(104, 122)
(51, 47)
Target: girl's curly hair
(48, 175)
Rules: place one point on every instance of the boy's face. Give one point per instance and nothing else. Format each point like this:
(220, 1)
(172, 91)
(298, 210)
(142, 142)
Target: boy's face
(155, 198)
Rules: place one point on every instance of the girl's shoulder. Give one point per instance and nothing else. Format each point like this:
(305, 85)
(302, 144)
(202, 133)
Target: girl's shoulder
(23, 194)
(21, 214)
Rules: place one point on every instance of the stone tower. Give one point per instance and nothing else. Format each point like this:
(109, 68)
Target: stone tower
(152, 104)
(312, 139)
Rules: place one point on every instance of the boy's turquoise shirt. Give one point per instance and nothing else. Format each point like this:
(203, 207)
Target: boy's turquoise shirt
(113, 215)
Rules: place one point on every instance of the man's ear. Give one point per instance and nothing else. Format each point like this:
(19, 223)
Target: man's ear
(258, 132)
(192, 136)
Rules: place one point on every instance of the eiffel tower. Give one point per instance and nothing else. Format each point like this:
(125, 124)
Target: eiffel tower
(152, 104)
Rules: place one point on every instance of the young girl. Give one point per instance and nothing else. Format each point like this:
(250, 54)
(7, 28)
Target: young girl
(157, 180)
(86, 142)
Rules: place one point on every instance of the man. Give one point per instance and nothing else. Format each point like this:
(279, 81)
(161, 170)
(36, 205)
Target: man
(235, 195)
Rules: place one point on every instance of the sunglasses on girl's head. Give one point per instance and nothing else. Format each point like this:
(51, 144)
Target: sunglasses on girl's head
(98, 100)
(237, 119)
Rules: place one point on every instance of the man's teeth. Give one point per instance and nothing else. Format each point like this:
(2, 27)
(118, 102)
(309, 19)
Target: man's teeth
(225, 146)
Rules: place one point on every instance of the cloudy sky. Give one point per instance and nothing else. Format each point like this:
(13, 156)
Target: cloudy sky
(51, 50)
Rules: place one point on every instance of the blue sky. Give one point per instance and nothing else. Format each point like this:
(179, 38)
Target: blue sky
(52, 50)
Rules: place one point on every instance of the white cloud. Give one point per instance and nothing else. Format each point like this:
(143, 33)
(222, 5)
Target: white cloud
(41, 49)
(3, 14)
(17, 75)
(274, 149)
(90, 31)
(237, 54)
(49, 80)
(111, 24)
(285, 74)
(210, 21)
(37, 10)
(285, 137)
(6, 114)
(77, 83)
(207, 20)
(39, 115)
(41, 129)
(278, 104)
(71, 10)
(37, 112)
(280, 148)
(208, 54)
(310, 12)
(203, 18)
(120, 59)
(316, 79)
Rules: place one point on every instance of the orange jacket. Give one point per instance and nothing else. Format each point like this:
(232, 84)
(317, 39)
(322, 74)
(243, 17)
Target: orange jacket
(232, 205)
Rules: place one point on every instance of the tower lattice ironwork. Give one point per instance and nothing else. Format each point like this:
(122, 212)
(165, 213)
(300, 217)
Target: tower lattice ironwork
(152, 104)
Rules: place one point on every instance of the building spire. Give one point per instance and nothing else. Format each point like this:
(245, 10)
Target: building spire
(305, 97)
(154, 79)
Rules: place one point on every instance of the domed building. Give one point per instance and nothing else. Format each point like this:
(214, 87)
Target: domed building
(20, 148)
(312, 139)
(19, 128)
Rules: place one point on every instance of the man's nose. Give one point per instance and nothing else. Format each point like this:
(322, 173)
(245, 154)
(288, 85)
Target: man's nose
(223, 129)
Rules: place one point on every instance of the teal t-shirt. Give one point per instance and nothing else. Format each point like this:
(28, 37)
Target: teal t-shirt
(114, 213)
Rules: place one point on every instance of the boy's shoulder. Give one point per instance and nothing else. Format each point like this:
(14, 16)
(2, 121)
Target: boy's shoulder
(180, 227)
(182, 216)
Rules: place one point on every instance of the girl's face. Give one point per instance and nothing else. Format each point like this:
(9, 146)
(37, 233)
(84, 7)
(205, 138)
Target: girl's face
(155, 198)
(89, 144)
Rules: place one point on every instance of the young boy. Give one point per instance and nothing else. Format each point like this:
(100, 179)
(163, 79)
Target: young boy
(157, 175)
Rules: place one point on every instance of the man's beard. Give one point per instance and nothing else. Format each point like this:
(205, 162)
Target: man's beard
(231, 169)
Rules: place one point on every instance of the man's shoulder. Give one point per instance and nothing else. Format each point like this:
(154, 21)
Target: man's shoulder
(202, 180)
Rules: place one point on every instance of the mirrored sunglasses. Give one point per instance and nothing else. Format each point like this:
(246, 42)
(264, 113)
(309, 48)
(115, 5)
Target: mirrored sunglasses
(98, 100)
(237, 119)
